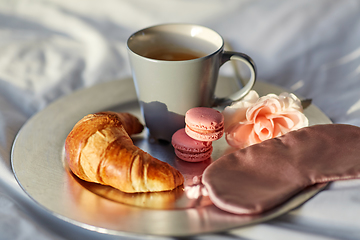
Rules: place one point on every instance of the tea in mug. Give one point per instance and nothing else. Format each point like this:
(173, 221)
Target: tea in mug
(174, 54)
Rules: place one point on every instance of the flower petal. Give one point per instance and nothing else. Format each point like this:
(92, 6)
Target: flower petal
(237, 111)
(264, 128)
(299, 119)
(284, 121)
(255, 119)
(291, 102)
(240, 136)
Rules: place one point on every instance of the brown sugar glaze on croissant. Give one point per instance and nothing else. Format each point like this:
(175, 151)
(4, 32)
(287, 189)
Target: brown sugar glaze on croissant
(99, 149)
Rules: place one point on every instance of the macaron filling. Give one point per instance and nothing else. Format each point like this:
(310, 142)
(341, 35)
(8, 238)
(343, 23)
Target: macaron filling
(205, 130)
(193, 156)
(204, 135)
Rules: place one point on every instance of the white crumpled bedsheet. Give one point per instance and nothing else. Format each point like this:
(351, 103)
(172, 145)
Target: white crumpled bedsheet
(49, 49)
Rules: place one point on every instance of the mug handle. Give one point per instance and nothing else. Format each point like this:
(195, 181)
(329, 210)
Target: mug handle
(226, 56)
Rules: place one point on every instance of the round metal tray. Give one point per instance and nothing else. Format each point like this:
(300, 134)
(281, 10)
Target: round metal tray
(39, 167)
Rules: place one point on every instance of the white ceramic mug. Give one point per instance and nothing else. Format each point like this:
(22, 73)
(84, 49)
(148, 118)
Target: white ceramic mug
(175, 67)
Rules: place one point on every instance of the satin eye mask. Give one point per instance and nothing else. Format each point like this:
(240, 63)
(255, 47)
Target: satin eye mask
(262, 176)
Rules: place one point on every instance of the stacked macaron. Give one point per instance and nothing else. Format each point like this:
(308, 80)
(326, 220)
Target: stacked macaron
(189, 149)
(194, 142)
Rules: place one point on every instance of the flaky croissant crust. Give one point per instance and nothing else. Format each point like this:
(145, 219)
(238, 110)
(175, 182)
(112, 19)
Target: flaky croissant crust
(99, 149)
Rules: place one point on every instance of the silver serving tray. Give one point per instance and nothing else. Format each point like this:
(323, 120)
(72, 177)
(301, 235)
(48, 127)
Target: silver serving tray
(39, 167)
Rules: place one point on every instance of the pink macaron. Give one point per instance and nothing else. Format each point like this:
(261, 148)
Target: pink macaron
(204, 124)
(189, 149)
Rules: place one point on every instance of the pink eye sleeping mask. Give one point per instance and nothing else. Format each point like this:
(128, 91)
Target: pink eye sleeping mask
(262, 176)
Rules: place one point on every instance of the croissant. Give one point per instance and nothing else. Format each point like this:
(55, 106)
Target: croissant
(99, 149)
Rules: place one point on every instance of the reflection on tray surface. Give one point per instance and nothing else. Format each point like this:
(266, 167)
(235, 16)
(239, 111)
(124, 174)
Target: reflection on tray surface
(175, 199)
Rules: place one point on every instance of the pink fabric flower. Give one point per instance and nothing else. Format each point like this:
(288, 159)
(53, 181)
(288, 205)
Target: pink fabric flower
(255, 119)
